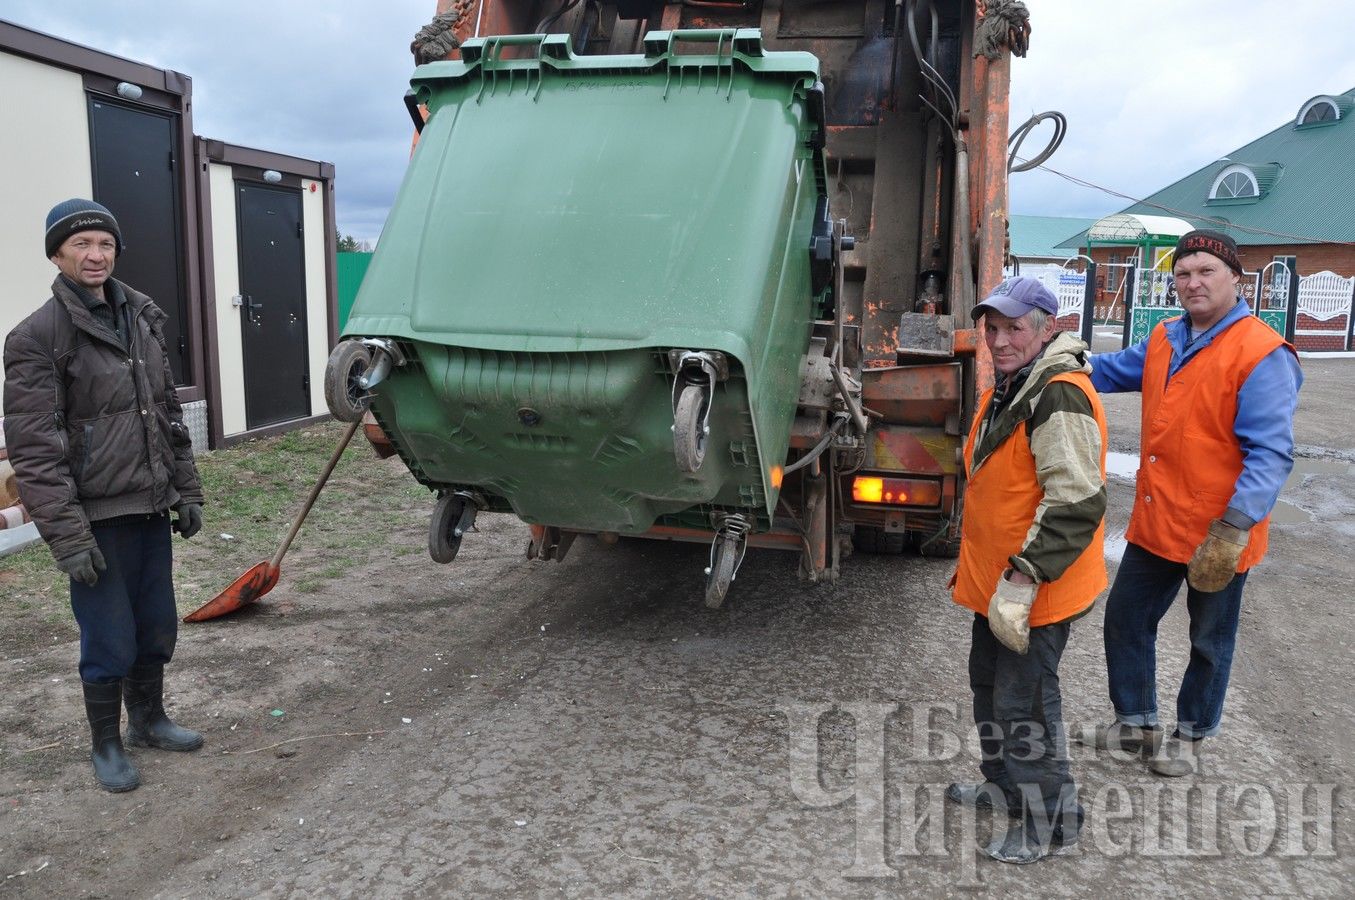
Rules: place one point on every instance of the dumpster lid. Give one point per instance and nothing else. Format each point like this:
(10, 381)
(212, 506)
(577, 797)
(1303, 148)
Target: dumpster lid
(663, 49)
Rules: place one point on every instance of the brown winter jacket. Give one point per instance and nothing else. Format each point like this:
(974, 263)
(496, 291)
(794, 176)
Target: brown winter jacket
(94, 430)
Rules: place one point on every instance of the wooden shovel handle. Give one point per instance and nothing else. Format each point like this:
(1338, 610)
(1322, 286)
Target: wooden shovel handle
(315, 492)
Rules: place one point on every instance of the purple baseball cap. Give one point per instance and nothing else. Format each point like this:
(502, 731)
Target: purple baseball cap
(1017, 296)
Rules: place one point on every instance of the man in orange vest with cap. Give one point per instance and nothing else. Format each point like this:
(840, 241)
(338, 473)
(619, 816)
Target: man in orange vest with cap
(1032, 560)
(1219, 392)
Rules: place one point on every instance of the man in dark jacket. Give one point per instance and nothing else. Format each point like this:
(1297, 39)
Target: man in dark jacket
(96, 436)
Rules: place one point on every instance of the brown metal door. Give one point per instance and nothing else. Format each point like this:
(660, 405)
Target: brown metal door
(135, 176)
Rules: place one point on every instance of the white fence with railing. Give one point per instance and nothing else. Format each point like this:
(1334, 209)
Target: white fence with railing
(1323, 297)
(1069, 285)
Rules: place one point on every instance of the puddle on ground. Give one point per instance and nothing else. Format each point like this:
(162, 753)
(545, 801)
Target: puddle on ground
(1115, 546)
(1288, 514)
(1126, 465)
(1305, 466)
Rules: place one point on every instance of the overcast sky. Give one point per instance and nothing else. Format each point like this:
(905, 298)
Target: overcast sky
(1152, 89)
(319, 80)
(1155, 90)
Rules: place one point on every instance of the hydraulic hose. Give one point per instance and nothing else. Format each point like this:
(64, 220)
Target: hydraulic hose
(1020, 134)
(818, 449)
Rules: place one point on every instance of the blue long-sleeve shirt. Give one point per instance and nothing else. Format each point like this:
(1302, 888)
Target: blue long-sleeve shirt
(1265, 409)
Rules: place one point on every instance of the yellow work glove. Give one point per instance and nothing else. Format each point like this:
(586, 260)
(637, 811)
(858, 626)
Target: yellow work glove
(1215, 561)
(1009, 613)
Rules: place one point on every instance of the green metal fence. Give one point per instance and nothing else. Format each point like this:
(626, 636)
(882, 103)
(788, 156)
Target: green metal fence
(351, 269)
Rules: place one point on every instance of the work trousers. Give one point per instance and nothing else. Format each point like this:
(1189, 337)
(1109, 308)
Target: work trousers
(1145, 587)
(1019, 713)
(128, 618)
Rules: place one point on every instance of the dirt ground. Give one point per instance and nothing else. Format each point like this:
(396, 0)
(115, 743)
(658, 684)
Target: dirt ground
(588, 728)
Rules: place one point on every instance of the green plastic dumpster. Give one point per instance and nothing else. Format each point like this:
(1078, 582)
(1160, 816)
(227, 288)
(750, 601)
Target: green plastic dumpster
(595, 282)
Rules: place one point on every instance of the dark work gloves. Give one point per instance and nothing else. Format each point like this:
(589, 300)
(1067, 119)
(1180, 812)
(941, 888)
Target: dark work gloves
(84, 566)
(189, 521)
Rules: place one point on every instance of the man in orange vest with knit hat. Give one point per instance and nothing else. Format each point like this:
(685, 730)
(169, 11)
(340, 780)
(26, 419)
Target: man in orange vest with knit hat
(1219, 392)
(1032, 560)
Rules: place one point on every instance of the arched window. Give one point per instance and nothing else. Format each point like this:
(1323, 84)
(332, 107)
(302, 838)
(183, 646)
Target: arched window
(1318, 110)
(1234, 182)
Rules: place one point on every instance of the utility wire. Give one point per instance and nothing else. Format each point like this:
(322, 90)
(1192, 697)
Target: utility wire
(1225, 223)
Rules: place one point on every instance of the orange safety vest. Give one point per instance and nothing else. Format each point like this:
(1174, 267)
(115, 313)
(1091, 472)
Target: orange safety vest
(1190, 458)
(1000, 503)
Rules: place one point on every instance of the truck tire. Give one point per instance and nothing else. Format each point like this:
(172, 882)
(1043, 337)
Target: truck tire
(941, 549)
(870, 539)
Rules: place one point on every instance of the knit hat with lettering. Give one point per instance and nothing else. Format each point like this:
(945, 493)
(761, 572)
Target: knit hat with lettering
(1215, 243)
(75, 215)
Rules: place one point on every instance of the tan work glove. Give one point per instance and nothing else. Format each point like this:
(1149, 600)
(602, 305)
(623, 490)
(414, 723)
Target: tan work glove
(1009, 613)
(1215, 561)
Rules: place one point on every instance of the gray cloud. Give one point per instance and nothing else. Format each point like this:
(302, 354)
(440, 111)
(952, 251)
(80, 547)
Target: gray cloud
(1152, 90)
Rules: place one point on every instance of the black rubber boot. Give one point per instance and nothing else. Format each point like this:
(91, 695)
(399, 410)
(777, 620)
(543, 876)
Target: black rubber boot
(112, 767)
(980, 796)
(1027, 842)
(147, 724)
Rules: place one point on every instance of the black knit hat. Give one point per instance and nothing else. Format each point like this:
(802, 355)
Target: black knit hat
(1215, 243)
(75, 215)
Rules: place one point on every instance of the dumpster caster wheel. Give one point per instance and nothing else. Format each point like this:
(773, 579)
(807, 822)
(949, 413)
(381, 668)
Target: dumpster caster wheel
(720, 575)
(726, 554)
(689, 430)
(347, 364)
(453, 516)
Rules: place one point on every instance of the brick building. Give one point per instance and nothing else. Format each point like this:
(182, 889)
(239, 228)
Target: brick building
(1285, 197)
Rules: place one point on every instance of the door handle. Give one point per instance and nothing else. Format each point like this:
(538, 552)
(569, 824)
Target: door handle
(247, 303)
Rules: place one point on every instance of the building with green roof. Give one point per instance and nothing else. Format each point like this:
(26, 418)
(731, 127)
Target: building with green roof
(1289, 192)
(1286, 196)
(1037, 239)
(1289, 188)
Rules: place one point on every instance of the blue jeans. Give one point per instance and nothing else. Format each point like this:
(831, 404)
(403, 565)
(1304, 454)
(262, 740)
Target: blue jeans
(128, 618)
(1145, 587)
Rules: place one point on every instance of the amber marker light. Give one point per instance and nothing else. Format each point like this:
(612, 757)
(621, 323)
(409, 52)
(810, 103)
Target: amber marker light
(868, 490)
(895, 491)
(777, 475)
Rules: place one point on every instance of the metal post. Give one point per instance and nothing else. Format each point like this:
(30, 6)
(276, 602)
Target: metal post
(1291, 304)
(1130, 289)
(1089, 304)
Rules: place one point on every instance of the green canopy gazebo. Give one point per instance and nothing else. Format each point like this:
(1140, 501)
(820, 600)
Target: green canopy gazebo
(1145, 234)
(1151, 300)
